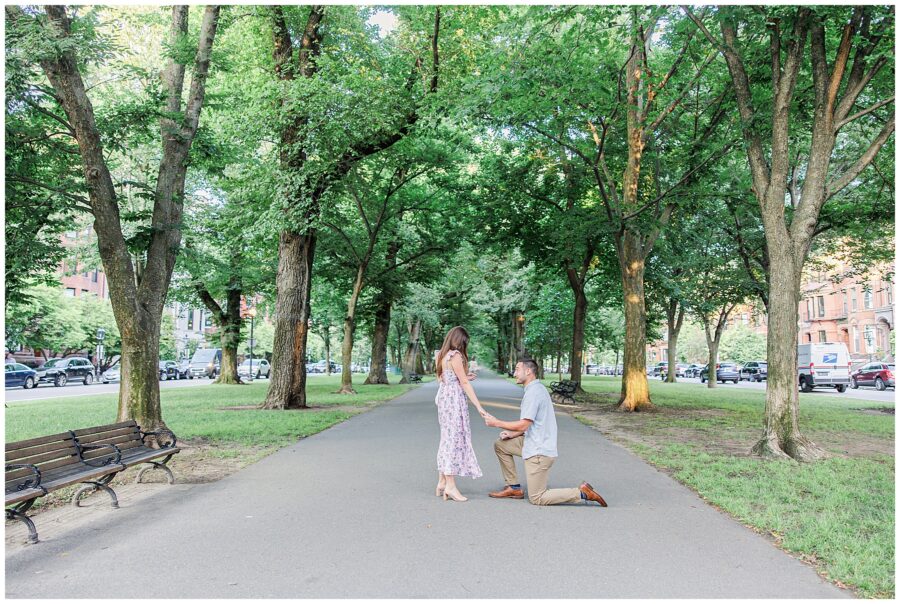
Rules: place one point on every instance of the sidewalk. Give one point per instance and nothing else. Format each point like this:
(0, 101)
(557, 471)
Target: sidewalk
(351, 512)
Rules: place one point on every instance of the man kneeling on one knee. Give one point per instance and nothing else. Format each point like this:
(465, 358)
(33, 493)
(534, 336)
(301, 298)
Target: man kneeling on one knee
(533, 438)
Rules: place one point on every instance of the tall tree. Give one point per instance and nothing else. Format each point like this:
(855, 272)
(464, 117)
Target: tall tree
(617, 129)
(137, 300)
(297, 60)
(798, 151)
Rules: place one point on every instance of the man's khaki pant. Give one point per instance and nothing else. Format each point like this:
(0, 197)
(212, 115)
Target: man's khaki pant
(537, 469)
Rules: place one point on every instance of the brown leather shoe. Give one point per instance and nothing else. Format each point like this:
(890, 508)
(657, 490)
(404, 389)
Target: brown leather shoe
(591, 494)
(508, 492)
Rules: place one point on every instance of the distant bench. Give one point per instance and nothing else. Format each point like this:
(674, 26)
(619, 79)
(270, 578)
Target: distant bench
(91, 456)
(415, 378)
(563, 392)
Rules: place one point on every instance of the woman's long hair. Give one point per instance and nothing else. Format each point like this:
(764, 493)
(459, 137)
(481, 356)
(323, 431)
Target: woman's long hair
(456, 339)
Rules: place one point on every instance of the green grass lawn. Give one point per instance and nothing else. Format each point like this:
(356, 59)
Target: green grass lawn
(838, 514)
(201, 412)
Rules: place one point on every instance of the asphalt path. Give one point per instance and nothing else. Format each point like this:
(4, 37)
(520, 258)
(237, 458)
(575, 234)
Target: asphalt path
(351, 512)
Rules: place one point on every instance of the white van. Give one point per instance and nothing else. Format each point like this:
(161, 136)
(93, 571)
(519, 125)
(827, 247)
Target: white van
(823, 364)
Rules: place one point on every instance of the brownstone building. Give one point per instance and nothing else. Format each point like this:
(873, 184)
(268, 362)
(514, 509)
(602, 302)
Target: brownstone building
(835, 306)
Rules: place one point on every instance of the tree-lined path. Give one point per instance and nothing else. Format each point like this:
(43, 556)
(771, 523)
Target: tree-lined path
(350, 512)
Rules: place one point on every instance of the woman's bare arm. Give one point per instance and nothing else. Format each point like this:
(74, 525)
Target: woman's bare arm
(457, 365)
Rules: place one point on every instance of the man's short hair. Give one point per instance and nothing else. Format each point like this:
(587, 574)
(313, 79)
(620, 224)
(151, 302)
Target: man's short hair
(531, 365)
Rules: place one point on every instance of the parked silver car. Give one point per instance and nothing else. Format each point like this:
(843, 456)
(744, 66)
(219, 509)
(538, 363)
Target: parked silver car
(261, 368)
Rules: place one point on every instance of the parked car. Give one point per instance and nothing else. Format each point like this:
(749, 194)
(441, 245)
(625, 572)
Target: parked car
(206, 362)
(655, 370)
(168, 370)
(693, 370)
(261, 368)
(680, 369)
(824, 364)
(18, 374)
(878, 374)
(59, 372)
(184, 369)
(755, 371)
(725, 372)
(112, 374)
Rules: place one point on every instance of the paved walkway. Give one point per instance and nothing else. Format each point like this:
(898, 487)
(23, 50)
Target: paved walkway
(351, 512)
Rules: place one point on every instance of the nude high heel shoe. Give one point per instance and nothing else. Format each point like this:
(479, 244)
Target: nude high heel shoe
(455, 496)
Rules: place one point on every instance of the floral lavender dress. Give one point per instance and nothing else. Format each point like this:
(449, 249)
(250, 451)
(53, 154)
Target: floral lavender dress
(455, 454)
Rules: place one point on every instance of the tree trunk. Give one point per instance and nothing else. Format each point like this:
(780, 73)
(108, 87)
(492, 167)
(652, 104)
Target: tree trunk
(287, 387)
(349, 329)
(139, 389)
(581, 303)
(781, 434)
(231, 336)
(674, 323)
(635, 389)
(378, 366)
(412, 349)
(713, 359)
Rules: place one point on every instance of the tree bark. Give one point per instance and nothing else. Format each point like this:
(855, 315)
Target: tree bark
(349, 329)
(412, 350)
(581, 303)
(635, 389)
(674, 318)
(228, 320)
(378, 365)
(287, 388)
(137, 301)
(781, 432)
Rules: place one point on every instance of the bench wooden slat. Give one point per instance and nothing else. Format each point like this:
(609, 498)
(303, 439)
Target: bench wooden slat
(114, 436)
(33, 442)
(106, 452)
(45, 467)
(107, 428)
(23, 495)
(23, 452)
(85, 473)
(39, 459)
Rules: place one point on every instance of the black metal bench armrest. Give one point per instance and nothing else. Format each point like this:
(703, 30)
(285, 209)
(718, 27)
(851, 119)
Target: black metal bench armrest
(163, 444)
(113, 459)
(28, 484)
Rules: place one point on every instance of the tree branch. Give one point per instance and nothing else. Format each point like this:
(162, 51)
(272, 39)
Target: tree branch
(855, 116)
(864, 160)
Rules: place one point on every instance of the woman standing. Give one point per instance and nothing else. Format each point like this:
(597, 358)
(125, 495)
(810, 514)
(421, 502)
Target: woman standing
(455, 454)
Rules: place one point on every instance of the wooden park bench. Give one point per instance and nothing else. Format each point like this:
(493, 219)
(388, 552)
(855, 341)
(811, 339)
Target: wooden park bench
(563, 392)
(39, 466)
(92, 456)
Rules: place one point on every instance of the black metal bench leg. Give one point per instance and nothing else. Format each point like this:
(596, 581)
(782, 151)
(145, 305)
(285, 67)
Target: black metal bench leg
(18, 513)
(98, 485)
(157, 465)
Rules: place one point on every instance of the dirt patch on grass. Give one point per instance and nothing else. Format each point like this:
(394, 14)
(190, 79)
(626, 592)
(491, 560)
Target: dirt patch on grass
(878, 410)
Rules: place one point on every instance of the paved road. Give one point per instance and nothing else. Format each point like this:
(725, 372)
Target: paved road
(351, 512)
(864, 393)
(49, 391)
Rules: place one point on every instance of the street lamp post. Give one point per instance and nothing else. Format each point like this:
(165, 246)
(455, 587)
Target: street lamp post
(252, 313)
(101, 334)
